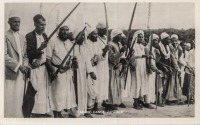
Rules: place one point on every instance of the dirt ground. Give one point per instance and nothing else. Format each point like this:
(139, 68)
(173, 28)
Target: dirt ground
(176, 111)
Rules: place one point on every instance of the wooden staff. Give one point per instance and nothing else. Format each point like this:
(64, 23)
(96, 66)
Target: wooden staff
(150, 53)
(47, 40)
(130, 25)
(106, 21)
(127, 39)
(156, 90)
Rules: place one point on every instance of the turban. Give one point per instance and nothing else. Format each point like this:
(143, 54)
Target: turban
(101, 26)
(115, 32)
(174, 36)
(89, 30)
(12, 14)
(123, 35)
(164, 35)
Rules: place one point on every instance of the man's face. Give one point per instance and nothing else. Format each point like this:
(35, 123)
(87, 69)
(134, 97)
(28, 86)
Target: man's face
(40, 26)
(167, 40)
(14, 23)
(175, 42)
(118, 38)
(94, 35)
(156, 43)
(140, 39)
(64, 32)
(102, 32)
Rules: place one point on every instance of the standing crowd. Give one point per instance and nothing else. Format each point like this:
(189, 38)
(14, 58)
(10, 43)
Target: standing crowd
(160, 70)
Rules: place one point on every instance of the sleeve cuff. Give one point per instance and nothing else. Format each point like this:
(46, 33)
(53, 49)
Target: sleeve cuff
(16, 69)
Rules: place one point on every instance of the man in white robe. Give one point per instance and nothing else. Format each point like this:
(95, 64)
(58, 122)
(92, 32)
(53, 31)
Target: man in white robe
(85, 71)
(152, 70)
(16, 64)
(138, 77)
(116, 50)
(96, 55)
(61, 92)
(102, 67)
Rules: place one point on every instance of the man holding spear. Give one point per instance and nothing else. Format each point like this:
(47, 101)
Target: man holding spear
(61, 93)
(37, 60)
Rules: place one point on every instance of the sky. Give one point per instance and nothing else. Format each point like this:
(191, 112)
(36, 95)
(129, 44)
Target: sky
(162, 15)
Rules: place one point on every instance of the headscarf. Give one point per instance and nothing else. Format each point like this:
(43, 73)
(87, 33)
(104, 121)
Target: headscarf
(101, 25)
(115, 32)
(164, 35)
(152, 37)
(135, 35)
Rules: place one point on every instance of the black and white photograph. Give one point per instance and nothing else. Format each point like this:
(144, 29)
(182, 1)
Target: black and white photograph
(99, 60)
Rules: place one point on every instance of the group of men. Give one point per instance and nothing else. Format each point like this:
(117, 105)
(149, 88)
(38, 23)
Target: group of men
(96, 71)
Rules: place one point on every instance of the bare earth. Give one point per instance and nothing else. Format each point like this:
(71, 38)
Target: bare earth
(176, 111)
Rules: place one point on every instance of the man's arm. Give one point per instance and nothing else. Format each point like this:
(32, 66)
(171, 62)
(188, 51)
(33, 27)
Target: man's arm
(9, 61)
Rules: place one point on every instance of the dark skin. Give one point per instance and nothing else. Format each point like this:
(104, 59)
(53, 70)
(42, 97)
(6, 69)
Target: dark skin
(93, 36)
(14, 23)
(155, 43)
(166, 41)
(102, 32)
(63, 33)
(80, 38)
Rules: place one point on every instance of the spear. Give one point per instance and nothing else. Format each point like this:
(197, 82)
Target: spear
(127, 39)
(106, 21)
(47, 40)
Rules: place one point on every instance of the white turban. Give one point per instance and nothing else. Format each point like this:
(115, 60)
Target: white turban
(174, 36)
(164, 35)
(13, 13)
(89, 30)
(115, 32)
(101, 26)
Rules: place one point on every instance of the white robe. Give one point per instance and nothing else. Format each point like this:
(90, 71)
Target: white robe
(84, 67)
(138, 79)
(115, 85)
(183, 61)
(14, 89)
(40, 81)
(103, 73)
(151, 80)
(61, 90)
(14, 96)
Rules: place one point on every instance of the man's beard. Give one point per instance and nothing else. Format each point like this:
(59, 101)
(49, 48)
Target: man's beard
(94, 39)
(62, 37)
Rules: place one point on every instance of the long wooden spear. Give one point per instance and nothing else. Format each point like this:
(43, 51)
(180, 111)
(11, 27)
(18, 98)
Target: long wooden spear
(106, 22)
(127, 39)
(47, 40)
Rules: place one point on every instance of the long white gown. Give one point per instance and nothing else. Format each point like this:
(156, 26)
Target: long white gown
(103, 73)
(84, 67)
(138, 79)
(61, 90)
